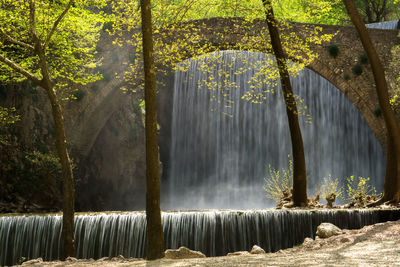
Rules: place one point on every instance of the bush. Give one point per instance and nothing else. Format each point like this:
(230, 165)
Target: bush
(346, 76)
(377, 112)
(333, 50)
(357, 69)
(330, 190)
(279, 183)
(363, 58)
(359, 192)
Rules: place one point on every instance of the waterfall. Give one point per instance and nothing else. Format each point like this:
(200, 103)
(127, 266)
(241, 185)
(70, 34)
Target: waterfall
(222, 145)
(214, 233)
(386, 25)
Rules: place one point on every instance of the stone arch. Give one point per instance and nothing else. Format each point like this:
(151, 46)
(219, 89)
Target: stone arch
(230, 33)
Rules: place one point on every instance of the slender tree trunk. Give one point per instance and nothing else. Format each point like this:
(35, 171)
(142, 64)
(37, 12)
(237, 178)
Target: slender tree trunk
(67, 176)
(155, 236)
(392, 185)
(68, 233)
(299, 162)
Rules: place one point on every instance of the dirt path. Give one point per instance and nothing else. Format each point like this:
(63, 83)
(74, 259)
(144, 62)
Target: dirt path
(374, 245)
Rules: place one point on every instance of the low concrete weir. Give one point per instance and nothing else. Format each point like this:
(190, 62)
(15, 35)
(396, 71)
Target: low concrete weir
(214, 232)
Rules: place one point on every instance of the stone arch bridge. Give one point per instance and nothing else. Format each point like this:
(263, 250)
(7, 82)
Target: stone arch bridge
(234, 33)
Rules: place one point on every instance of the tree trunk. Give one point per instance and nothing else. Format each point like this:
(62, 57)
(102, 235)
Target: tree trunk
(299, 162)
(155, 236)
(68, 233)
(392, 185)
(67, 176)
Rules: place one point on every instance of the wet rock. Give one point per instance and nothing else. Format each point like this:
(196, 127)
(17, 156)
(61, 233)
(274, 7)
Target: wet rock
(325, 230)
(257, 250)
(183, 253)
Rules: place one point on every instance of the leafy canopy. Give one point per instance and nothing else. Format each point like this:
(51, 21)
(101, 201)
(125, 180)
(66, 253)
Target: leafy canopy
(70, 52)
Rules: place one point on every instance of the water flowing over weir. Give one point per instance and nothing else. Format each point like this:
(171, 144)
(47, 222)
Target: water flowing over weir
(212, 232)
(221, 144)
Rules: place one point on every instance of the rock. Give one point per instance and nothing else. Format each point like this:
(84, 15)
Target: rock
(71, 259)
(33, 262)
(183, 253)
(238, 253)
(308, 240)
(257, 250)
(345, 240)
(118, 258)
(325, 230)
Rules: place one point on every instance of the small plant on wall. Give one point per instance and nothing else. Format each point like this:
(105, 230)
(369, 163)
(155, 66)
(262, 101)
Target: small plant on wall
(357, 69)
(333, 50)
(363, 58)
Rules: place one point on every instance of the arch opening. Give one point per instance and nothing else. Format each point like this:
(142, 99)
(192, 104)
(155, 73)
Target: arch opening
(219, 155)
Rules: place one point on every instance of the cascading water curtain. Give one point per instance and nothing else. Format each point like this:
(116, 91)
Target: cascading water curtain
(222, 145)
(214, 233)
(385, 25)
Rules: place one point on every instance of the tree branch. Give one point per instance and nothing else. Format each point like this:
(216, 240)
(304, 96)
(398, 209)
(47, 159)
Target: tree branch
(58, 20)
(32, 23)
(20, 70)
(15, 41)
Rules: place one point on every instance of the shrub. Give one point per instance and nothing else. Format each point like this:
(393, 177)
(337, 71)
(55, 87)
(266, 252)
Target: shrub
(330, 190)
(363, 58)
(377, 112)
(358, 191)
(346, 76)
(279, 183)
(333, 50)
(357, 69)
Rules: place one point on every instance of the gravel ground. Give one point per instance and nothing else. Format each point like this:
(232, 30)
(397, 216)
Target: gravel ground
(374, 245)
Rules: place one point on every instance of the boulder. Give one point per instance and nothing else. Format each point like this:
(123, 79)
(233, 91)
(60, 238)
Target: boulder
(183, 253)
(257, 250)
(325, 230)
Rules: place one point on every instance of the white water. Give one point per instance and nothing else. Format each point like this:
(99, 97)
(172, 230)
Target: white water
(386, 25)
(212, 232)
(220, 155)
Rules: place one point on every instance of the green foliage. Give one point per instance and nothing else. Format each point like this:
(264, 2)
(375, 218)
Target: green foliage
(357, 189)
(278, 182)
(21, 260)
(357, 69)
(333, 50)
(175, 42)
(346, 76)
(70, 51)
(8, 116)
(330, 187)
(45, 163)
(363, 58)
(377, 112)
